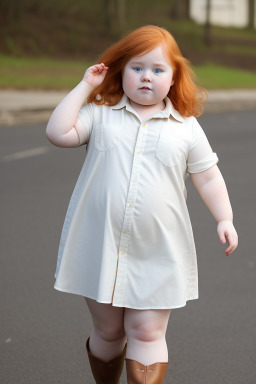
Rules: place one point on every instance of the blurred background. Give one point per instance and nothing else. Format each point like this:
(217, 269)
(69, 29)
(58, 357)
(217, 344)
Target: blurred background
(42, 39)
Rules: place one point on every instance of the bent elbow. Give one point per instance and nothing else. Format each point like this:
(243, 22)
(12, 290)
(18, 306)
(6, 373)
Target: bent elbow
(53, 135)
(49, 134)
(64, 140)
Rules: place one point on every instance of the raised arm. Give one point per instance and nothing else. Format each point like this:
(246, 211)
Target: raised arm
(212, 189)
(64, 128)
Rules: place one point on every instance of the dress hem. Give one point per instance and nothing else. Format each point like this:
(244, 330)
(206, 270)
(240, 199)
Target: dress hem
(123, 306)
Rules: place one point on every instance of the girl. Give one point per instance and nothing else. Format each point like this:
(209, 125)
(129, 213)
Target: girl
(127, 244)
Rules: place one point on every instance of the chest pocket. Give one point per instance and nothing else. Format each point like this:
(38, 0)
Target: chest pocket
(171, 150)
(107, 136)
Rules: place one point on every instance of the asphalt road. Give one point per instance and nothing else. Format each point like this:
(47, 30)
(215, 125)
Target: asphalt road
(43, 332)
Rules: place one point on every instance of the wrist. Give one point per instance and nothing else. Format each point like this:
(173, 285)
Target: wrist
(89, 86)
(225, 220)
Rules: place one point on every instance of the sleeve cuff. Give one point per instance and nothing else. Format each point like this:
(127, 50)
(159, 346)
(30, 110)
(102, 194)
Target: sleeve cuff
(203, 164)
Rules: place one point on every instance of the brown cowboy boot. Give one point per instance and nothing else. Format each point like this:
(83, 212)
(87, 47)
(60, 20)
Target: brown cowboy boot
(106, 372)
(138, 373)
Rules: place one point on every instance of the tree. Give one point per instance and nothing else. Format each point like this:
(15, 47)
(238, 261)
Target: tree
(180, 9)
(10, 11)
(114, 17)
(207, 26)
(252, 6)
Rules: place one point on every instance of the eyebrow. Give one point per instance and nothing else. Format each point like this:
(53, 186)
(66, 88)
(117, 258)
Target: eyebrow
(155, 64)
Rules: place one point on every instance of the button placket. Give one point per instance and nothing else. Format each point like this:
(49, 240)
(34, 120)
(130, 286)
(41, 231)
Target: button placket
(119, 287)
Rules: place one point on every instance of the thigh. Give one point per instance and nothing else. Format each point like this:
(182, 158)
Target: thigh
(106, 318)
(146, 323)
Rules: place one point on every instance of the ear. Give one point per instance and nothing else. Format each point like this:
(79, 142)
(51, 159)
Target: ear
(172, 83)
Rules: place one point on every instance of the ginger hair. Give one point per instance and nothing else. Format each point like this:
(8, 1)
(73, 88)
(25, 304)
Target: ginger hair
(184, 94)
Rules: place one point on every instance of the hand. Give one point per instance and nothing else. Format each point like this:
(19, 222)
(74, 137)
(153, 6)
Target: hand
(95, 75)
(227, 233)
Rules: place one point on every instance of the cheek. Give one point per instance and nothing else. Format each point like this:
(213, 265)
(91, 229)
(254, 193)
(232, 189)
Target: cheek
(164, 85)
(129, 80)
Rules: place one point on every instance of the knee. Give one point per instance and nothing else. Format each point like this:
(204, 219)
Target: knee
(145, 332)
(110, 332)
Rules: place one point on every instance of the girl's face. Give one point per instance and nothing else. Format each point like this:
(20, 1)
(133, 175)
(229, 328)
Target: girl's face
(147, 78)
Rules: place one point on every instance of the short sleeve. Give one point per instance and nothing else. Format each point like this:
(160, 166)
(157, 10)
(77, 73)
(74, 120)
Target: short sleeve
(85, 116)
(200, 155)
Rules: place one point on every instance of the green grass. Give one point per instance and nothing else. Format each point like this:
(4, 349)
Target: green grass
(44, 73)
(212, 76)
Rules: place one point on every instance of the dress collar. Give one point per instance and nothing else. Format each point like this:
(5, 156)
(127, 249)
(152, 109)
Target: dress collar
(169, 108)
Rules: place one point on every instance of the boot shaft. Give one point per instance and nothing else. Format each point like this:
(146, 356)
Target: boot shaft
(138, 373)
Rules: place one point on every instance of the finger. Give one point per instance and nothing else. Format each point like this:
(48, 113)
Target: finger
(104, 67)
(222, 237)
(94, 69)
(101, 67)
(235, 244)
(97, 68)
(228, 252)
(103, 71)
(231, 248)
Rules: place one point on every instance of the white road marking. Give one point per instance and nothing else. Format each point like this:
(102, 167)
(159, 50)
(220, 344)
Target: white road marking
(25, 154)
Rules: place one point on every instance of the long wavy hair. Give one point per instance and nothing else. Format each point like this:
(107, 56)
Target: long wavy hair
(184, 94)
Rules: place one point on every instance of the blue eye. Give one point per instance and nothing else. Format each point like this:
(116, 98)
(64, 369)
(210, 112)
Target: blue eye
(157, 70)
(137, 69)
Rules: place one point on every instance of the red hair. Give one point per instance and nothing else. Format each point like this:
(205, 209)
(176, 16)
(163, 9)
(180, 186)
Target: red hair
(184, 94)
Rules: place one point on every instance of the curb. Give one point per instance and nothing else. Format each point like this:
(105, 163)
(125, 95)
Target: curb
(30, 107)
(231, 100)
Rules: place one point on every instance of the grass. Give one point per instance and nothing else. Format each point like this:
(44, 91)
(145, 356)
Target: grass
(212, 76)
(44, 73)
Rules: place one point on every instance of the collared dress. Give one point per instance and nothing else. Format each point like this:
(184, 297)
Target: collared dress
(127, 237)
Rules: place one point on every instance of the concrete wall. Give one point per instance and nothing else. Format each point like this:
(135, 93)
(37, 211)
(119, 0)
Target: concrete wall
(226, 13)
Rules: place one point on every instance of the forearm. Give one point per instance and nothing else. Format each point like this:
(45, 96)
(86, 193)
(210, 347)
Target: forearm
(65, 114)
(215, 195)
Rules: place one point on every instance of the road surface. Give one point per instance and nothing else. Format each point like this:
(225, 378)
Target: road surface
(43, 331)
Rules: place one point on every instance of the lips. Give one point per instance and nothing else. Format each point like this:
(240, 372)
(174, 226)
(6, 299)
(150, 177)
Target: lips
(146, 88)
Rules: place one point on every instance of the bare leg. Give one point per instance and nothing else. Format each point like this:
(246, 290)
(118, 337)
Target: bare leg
(108, 337)
(145, 330)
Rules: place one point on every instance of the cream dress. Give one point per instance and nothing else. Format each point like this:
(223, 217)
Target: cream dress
(127, 237)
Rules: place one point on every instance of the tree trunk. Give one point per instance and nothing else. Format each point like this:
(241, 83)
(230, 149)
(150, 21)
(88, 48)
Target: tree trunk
(252, 6)
(109, 17)
(121, 5)
(180, 10)
(207, 26)
(114, 17)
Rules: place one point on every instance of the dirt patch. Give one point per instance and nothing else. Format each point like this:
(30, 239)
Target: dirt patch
(232, 60)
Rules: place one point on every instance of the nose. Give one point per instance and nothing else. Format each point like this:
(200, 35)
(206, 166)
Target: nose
(146, 76)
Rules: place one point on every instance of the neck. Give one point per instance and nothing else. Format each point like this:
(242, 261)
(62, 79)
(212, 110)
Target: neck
(145, 111)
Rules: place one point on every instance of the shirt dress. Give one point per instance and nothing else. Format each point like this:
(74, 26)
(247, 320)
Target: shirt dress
(127, 238)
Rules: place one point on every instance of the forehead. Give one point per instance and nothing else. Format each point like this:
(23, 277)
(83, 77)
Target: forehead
(156, 55)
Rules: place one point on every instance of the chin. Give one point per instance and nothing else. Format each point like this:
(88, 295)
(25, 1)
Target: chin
(144, 102)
